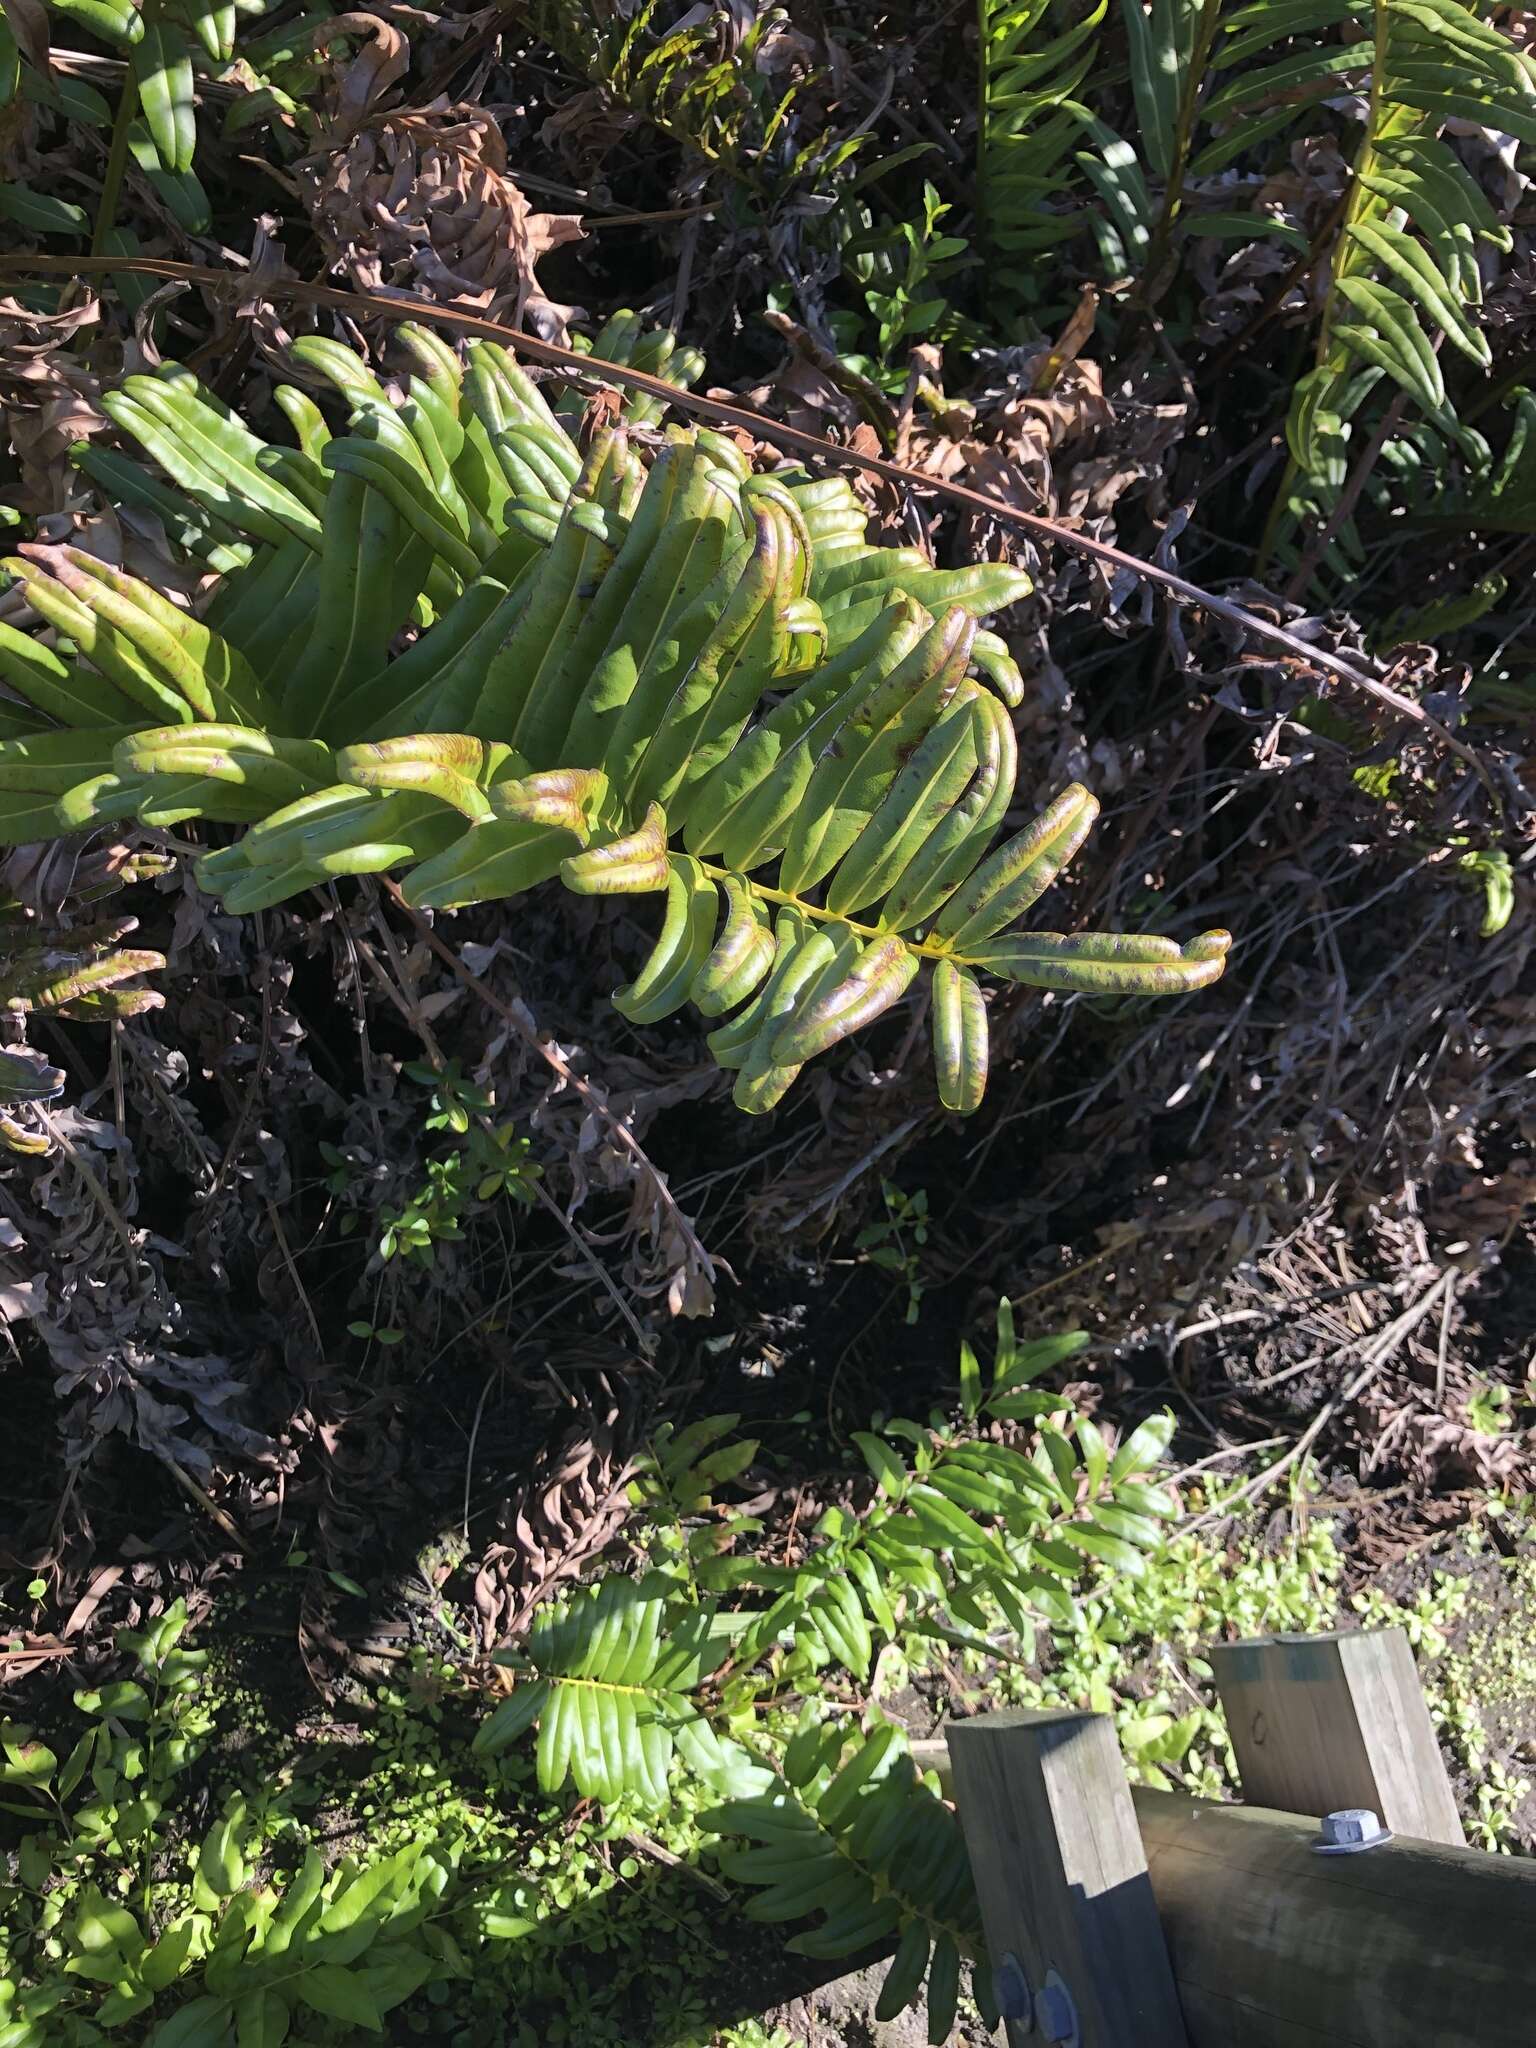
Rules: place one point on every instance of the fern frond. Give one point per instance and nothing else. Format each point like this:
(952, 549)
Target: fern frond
(610, 1678)
(680, 1471)
(1031, 120)
(849, 1832)
(698, 81)
(676, 677)
(1404, 276)
(1043, 81)
(968, 1533)
(826, 1820)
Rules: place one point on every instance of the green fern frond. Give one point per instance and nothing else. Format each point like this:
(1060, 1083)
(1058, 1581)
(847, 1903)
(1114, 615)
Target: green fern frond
(698, 82)
(965, 1533)
(1404, 281)
(681, 1470)
(166, 48)
(1031, 120)
(975, 1532)
(849, 1832)
(844, 1828)
(1404, 277)
(1045, 150)
(671, 677)
(610, 1677)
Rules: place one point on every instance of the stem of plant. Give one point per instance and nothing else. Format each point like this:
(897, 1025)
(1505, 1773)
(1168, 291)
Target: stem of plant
(117, 162)
(1326, 358)
(1349, 497)
(1190, 95)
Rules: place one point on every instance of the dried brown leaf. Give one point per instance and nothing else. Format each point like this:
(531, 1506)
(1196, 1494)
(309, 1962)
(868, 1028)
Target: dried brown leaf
(48, 399)
(28, 20)
(423, 200)
(362, 80)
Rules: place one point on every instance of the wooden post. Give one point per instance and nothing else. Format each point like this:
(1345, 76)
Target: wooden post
(1323, 1722)
(1274, 1946)
(1062, 1878)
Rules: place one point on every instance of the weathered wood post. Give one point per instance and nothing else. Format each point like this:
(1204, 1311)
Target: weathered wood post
(1138, 1919)
(1061, 1875)
(1269, 1944)
(1324, 1722)
(1276, 1946)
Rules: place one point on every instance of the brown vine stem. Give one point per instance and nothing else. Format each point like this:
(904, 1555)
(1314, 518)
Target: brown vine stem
(744, 420)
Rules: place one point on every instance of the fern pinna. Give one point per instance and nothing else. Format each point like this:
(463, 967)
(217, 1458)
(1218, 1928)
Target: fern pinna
(668, 675)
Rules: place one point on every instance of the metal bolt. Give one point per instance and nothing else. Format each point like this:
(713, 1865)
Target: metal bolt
(1055, 2013)
(1010, 1985)
(1350, 1830)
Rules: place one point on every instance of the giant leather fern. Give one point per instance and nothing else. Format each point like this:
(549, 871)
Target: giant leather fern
(702, 79)
(1043, 145)
(610, 1680)
(1402, 277)
(674, 677)
(1030, 120)
(848, 1831)
(1405, 274)
(165, 52)
(638, 1684)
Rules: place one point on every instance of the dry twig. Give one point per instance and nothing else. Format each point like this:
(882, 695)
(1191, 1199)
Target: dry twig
(1378, 1353)
(595, 368)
